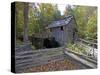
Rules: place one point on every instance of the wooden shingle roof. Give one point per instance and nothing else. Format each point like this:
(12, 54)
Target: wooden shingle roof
(62, 22)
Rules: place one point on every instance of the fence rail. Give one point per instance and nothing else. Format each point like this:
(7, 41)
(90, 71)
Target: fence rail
(28, 58)
(88, 42)
(91, 48)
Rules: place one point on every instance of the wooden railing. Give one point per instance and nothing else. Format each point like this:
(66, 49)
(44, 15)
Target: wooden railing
(91, 45)
(88, 42)
(25, 58)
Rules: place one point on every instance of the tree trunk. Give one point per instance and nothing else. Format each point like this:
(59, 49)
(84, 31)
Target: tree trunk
(25, 35)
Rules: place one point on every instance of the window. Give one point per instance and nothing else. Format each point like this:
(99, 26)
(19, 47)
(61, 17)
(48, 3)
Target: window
(62, 28)
(50, 30)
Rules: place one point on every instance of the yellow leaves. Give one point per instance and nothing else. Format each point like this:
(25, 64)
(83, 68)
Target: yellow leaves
(86, 17)
(54, 66)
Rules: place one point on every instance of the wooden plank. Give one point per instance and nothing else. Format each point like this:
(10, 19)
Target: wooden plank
(87, 41)
(83, 56)
(83, 61)
(23, 67)
(34, 63)
(40, 62)
(50, 49)
(90, 50)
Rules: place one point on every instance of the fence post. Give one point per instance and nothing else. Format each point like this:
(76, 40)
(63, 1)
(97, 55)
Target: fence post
(93, 50)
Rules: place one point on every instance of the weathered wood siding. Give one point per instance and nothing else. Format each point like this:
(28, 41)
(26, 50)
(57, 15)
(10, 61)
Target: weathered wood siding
(65, 35)
(69, 31)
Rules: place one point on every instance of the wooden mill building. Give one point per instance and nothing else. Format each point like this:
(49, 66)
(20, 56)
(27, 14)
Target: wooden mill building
(63, 30)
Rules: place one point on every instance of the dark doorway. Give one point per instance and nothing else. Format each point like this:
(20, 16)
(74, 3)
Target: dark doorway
(62, 28)
(50, 43)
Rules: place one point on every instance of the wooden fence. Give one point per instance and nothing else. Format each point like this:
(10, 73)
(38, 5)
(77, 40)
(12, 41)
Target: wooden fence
(91, 47)
(25, 58)
(88, 42)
